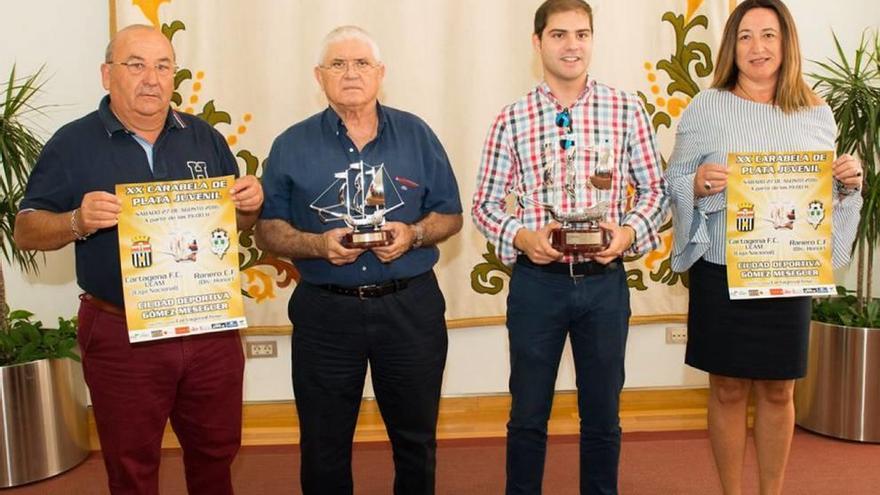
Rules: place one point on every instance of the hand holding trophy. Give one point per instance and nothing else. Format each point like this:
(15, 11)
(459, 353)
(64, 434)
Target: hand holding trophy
(575, 190)
(357, 196)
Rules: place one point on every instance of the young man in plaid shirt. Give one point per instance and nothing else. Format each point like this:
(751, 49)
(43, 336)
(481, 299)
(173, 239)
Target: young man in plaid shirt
(572, 123)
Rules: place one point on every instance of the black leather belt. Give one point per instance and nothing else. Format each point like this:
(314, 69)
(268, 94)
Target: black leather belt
(372, 290)
(102, 305)
(584, 269)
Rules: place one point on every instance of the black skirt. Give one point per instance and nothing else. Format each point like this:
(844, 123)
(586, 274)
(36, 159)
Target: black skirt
(762, 339)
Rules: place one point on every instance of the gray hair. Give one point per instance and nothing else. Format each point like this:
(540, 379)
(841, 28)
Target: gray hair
(108, 53)
(344, 33)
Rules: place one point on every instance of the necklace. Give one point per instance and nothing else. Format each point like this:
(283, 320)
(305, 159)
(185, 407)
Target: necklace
(750, 97)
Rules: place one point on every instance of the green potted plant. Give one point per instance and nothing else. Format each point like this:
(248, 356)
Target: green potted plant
(42, 393)
(840, 396)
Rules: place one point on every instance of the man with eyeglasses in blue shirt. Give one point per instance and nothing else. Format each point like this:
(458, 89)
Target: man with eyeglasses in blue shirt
(357, 304)
(195, 381)
(589, 129)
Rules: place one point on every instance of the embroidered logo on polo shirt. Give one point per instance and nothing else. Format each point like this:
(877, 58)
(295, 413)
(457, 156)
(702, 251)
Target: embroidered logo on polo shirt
(405, 183)
(141, 252)
(199, 170)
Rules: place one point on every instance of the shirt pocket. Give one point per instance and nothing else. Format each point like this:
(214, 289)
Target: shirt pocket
(412, 189)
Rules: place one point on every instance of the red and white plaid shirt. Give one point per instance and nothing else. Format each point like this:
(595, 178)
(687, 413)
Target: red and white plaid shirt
(515, 160)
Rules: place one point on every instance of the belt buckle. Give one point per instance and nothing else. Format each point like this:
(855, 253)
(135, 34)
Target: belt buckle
(362, 289)
(571, 272)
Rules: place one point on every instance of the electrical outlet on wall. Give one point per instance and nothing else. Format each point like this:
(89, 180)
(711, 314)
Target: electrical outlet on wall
(262, 349)
(676, 335)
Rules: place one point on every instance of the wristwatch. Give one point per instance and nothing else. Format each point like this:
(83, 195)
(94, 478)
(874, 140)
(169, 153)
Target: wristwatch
(419, 233)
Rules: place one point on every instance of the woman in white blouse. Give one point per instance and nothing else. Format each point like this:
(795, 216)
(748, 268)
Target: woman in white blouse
(758, 102)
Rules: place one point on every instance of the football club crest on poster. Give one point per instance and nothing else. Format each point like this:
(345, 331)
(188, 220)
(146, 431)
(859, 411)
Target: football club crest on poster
(219, 242)
(745, 217)
(815, 213)
(141, 252)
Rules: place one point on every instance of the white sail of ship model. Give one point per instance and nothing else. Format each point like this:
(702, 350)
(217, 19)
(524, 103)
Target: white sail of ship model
(360, 207)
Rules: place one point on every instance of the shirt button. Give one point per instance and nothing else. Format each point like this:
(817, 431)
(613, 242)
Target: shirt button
(363, 268)
(351, 150)
(337, 133)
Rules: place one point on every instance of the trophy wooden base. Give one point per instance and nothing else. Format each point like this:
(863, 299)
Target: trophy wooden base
(366, 240)
(580, 240)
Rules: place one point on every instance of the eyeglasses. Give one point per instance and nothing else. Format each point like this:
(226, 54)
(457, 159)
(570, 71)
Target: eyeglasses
(359, 66)
(563, 121)
(137, 68)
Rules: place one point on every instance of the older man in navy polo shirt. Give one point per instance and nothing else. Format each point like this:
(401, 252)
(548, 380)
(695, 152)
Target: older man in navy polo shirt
(196, 381)
(354, 306)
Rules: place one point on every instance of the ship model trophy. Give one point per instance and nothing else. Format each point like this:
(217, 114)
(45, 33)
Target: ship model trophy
(357, 196)
(578, 197)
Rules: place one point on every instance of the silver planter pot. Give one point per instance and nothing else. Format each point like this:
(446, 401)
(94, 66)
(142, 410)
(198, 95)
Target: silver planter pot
(43, 420)
(840, 396)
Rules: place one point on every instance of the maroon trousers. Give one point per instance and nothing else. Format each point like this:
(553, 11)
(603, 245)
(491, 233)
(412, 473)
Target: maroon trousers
(194, 381)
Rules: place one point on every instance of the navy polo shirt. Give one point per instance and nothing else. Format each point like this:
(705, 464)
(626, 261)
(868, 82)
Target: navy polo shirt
(95, 153)
(305, 157)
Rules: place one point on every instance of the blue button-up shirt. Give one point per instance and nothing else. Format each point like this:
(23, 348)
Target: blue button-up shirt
(302, 164)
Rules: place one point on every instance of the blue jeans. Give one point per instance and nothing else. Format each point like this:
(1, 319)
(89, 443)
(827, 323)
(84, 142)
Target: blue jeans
(542, 308)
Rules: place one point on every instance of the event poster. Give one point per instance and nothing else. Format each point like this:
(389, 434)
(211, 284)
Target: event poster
(178, 247)
(779, 224)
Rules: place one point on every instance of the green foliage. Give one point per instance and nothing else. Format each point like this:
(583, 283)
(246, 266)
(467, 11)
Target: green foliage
(251, 162)
(686, 53)
(169, 30)
(659, 118)
(180, 76)
(678, 66)
(846, 310)
(852, 90)
(19, 149)
(213, 116)
(482, 282)
(665, 274)
(25, 340)
(851, 87)
(635, 279)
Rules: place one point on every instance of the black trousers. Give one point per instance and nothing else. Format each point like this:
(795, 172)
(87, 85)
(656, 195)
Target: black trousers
(403, 338)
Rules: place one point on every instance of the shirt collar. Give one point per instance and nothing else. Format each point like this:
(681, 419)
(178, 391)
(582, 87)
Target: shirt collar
(337, 126)
(113, 125)
(544, 90)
